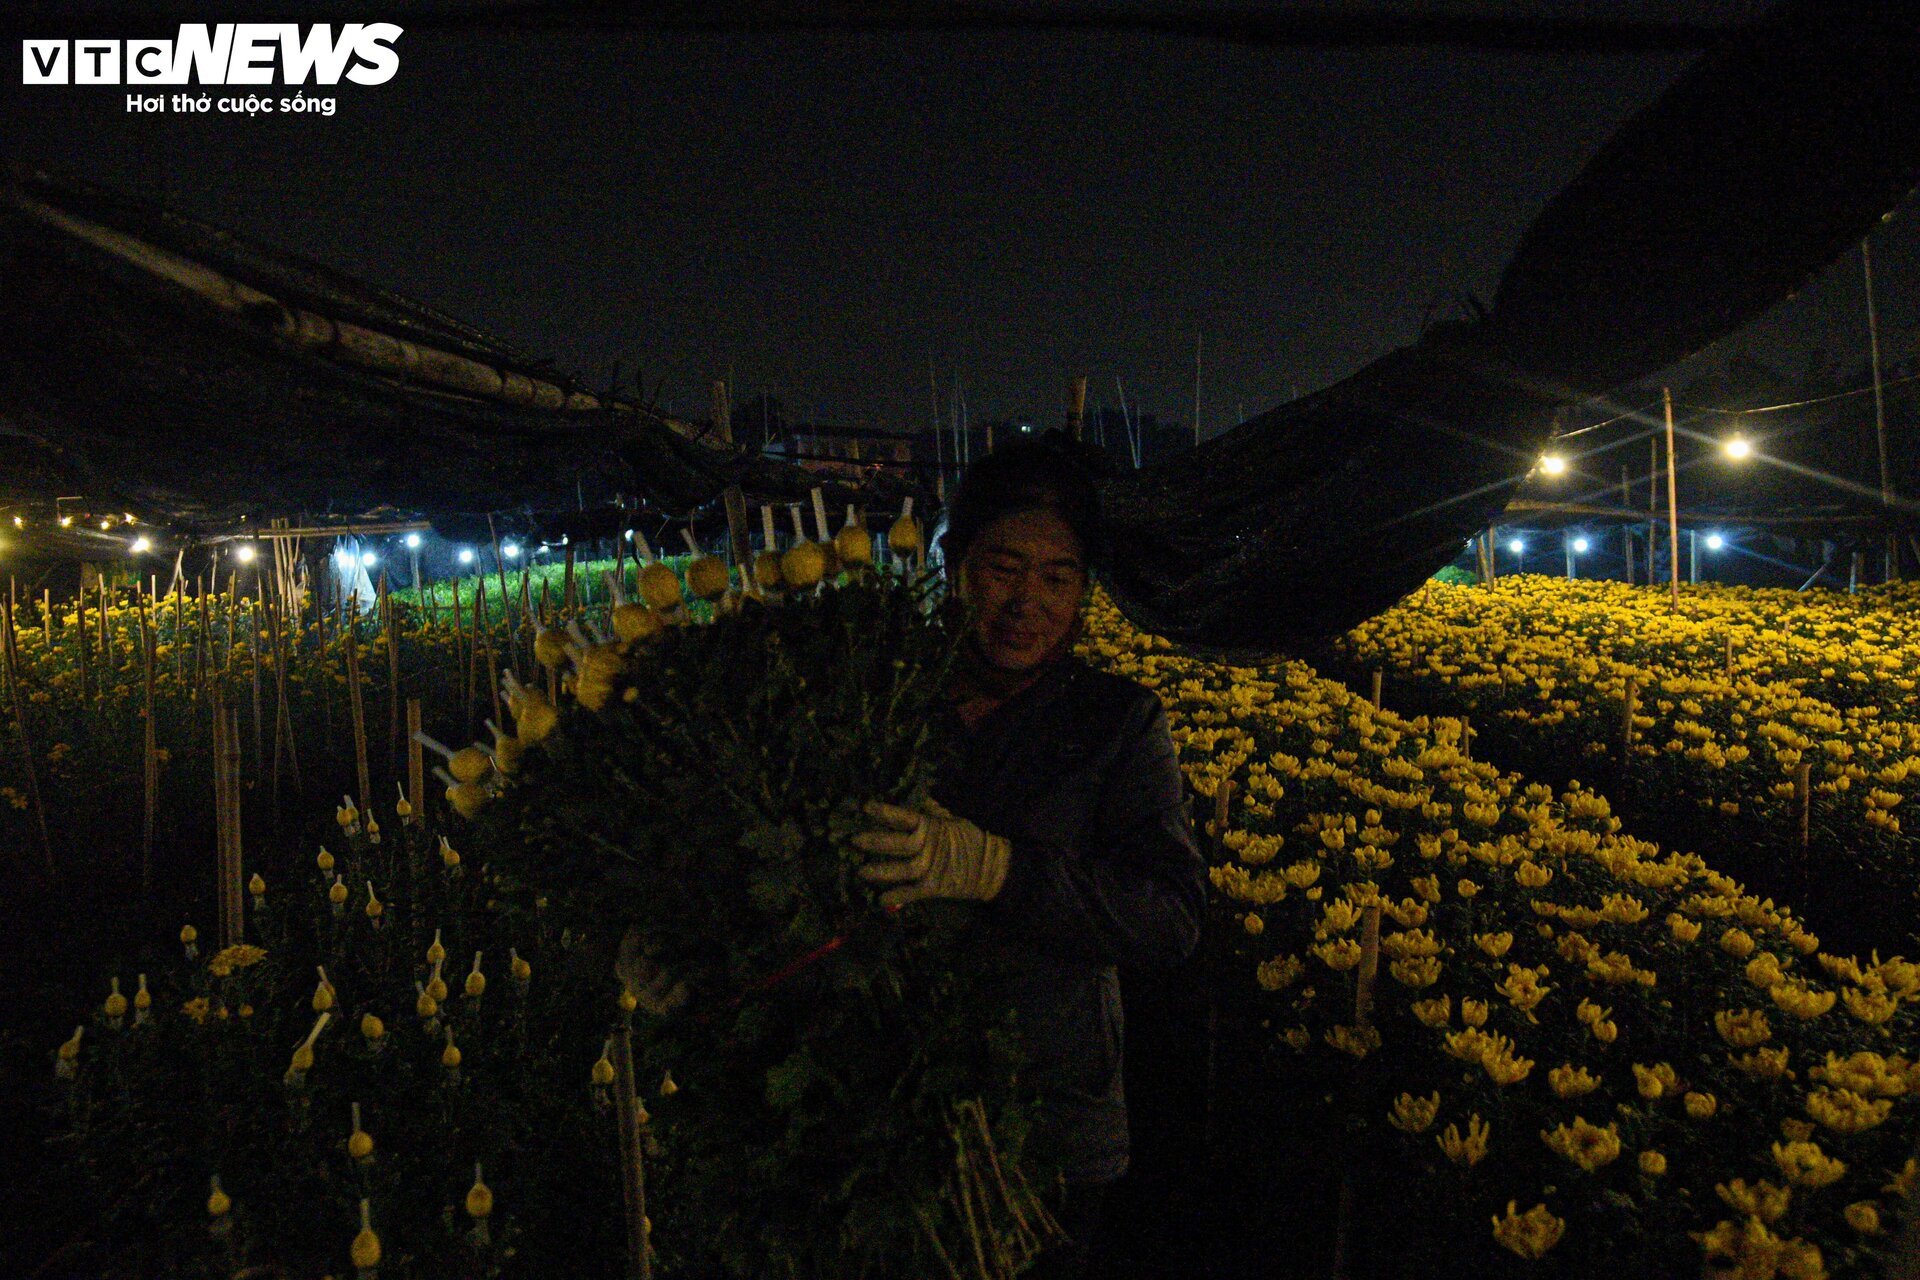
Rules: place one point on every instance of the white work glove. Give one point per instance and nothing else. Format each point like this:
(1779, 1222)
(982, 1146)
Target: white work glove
(926, 852)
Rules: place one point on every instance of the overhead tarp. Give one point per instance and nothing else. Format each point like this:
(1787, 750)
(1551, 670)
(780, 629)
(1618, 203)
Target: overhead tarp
(156, 363)
(1762, 163)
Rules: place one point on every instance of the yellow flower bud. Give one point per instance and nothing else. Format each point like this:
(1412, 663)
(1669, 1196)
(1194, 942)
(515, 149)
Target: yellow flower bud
(366, 1245)
(479, 1197)
(219, 1203)
(325, 860)
(372, 1028)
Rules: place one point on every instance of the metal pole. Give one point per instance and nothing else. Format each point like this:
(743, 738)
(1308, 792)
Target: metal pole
(1673, 502)
(1693, 555)
(1880, 414)
(1566, 545)
(1626, 527)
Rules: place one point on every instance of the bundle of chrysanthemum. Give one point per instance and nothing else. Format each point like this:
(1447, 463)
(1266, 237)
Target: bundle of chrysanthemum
(837, 1091)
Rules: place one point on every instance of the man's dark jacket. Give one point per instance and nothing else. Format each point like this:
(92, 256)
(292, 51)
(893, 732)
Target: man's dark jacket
(1079, 773)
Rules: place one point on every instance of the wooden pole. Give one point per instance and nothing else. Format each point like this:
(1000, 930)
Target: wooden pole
(1379, 678)
(1077, 409)
(1673, 503)
(569, 600)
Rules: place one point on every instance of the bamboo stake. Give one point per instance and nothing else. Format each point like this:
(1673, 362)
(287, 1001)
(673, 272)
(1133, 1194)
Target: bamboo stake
(106, 639)
(282, 713)
(633, 1164)
(736, 503)
(80, 638)
(568, 600)
(26, 742)
(820, 514)
(1369, 964)
(500, 566)
(150, 760)
(1673, 503)
(236, 880)
(387, 610)
(1626, 527)
(1803, 800)
(357, 708)
(253, 676)
(202, 656)
(416, 761)
(46, 618)
(1379, 678)
(493, 685)
(1629, 707)
(223, 928)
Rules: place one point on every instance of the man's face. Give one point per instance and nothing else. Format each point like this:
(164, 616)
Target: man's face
(1024, 577)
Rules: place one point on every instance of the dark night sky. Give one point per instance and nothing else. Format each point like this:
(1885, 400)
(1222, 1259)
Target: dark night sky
(822, 213)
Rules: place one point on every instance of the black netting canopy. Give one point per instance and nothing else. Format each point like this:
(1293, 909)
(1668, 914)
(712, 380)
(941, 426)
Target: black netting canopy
(152, 359)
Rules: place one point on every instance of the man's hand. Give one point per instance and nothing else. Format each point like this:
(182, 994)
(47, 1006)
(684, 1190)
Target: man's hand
(926, 852)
